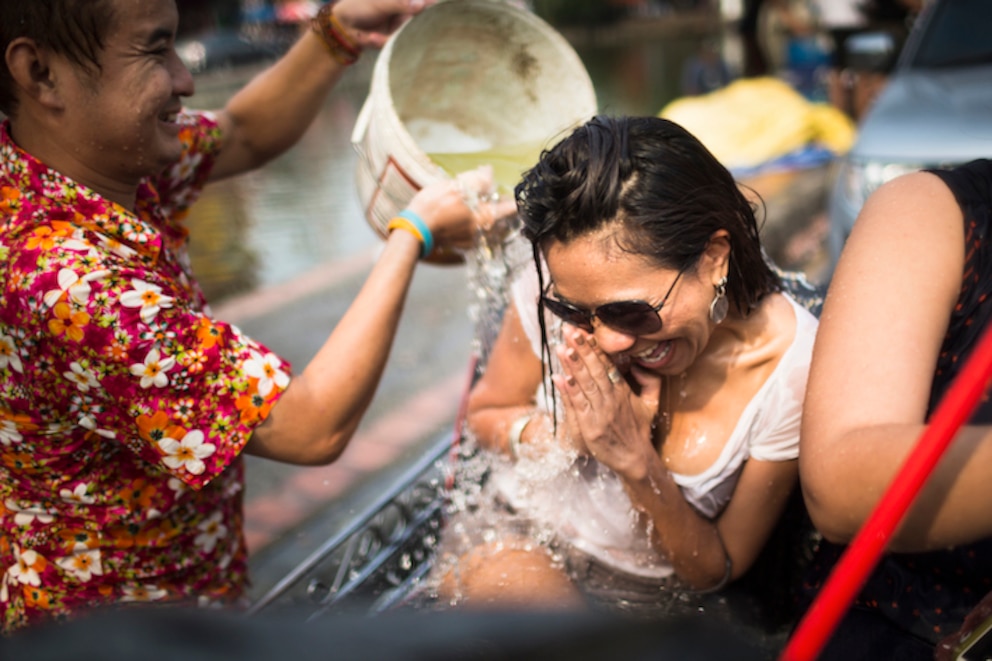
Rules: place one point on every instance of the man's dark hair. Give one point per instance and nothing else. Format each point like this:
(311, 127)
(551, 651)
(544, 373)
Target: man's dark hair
(76, 29)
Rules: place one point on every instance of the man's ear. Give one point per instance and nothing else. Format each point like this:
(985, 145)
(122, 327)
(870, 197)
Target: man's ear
(30, 67)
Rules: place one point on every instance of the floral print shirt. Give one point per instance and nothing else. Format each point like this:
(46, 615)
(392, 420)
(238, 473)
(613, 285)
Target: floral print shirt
(124, 405)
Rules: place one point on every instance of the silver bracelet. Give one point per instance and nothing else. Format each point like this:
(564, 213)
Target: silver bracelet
(723, 581)
(516, 431)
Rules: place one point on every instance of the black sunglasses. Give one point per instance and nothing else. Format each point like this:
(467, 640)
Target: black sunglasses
(629, 317)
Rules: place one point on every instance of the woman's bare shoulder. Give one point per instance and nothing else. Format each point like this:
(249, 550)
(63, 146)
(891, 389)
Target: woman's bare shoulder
(920, 200)
(777, 321)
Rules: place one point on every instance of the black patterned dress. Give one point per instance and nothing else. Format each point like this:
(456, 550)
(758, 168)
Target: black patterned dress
(912, 600)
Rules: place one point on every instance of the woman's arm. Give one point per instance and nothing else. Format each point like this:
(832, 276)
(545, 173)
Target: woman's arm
(506, 390)
(880, 333)
(699, 548)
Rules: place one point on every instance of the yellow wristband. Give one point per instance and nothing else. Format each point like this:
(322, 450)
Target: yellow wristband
(404, 224)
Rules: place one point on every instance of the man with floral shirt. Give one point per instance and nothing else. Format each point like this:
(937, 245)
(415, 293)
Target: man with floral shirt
(125, 404)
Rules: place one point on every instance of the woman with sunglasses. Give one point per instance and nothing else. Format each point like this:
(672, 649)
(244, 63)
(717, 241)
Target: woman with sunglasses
(654, 447)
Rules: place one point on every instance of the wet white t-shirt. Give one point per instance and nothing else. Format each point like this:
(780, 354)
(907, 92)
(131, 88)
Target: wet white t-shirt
(585, 501)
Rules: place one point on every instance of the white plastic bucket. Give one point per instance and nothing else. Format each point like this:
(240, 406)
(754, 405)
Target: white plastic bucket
(493, 74)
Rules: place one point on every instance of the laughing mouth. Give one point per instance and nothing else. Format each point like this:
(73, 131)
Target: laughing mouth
(655, 354)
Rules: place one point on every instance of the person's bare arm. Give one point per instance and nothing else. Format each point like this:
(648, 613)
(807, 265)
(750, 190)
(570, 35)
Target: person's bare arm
(271, 113)
(699, 548)
(319, 412)
(506, 389)
(882, 326)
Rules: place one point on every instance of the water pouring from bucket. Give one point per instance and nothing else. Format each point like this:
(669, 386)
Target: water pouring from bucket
(463, 84)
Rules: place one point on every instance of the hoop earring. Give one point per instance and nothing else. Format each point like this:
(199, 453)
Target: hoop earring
(720, 305)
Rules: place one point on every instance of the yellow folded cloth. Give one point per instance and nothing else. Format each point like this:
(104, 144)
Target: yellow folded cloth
(756, 120)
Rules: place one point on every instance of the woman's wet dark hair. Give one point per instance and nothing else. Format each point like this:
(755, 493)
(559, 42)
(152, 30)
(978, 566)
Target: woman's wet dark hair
(76, 29)
(667, 191)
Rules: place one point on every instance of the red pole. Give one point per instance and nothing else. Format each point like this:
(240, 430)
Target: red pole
(857, 562)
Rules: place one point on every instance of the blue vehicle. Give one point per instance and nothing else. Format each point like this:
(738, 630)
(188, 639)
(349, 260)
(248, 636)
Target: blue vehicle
(936, 109)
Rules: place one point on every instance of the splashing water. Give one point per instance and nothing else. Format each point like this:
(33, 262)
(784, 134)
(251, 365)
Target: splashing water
(500, 505)
(499, 255)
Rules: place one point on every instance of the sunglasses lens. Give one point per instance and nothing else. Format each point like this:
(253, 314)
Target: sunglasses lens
(633, 317)
(568, 314)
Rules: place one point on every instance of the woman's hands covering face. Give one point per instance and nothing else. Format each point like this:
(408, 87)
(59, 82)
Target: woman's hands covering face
(603, 414)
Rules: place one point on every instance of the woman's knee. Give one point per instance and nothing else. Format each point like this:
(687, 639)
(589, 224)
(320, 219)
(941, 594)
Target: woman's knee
(512, 578)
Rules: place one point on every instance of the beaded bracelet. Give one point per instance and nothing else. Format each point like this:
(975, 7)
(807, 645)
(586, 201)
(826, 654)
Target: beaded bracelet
(414, 224)
(335, 36)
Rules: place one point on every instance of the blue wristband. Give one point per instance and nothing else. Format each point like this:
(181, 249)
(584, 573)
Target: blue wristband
(425, 232)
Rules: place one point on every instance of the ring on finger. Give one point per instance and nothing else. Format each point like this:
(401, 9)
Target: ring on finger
(613, 375)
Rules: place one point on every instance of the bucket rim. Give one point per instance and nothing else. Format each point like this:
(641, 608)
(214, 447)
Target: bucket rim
(380, 71)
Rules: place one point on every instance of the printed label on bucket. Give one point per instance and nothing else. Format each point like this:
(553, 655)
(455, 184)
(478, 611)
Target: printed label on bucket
(393, 184)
